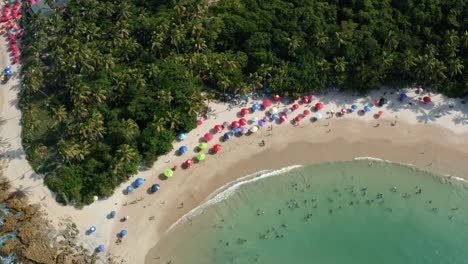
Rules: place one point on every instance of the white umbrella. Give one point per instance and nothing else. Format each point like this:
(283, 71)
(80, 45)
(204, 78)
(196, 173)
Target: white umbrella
(318, 115)
(273, 111)
(254, 129)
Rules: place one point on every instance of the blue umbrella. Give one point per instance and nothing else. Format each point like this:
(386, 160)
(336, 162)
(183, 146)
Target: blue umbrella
(261, 123)
(403, 96)
(155, 187)
(8, 68)
(129, 189)
(113, 214)
(183, 149)
(275, 117)
(123, 233)
(139, 182)
(7, 73)
(92, 229)
(100, 248)
(354, 107)
(256, 107)
(182, 136)
(236, 130)
(254, 119)
(367, 109)
(228, 135)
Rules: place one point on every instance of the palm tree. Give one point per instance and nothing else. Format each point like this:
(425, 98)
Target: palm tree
(59, 113)
(69, 151)
(125, 153)
(321, 39)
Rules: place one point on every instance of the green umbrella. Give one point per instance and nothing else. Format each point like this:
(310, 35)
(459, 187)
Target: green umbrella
(202, 145)
(168, 173)
(201, 156)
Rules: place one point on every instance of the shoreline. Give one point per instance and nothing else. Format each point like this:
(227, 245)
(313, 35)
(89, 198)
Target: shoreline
(284, 151)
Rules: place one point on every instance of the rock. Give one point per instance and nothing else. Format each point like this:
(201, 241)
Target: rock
(16, 205)
(38, 252)
(8, 247)
(9, 224)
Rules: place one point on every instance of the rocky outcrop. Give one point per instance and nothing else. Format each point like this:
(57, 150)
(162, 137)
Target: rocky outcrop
(8, 247)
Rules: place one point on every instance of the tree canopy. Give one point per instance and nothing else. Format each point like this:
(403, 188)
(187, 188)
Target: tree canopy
(108, 84)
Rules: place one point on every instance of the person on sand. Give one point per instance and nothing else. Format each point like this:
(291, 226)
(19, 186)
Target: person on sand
(377, 125)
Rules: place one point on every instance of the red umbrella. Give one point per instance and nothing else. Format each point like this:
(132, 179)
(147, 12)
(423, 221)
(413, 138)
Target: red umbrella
(266, 103)
(208, 136)
(318, 106)
(242, 122)
(305, 99)
(244, 111)
(376, 101)
(297, 119)
(306, 112)
(188, 163)
(283, 118)
(295, 106)
(427, 99)
(276, 98)
(199, 122)
(218, 128)
(344, 111)
(235, 124)
(217, 148)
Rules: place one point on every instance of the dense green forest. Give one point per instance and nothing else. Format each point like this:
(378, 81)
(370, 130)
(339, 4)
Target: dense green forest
(108, 84)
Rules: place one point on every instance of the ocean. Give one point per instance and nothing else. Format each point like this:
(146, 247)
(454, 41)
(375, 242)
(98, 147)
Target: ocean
(353, 212)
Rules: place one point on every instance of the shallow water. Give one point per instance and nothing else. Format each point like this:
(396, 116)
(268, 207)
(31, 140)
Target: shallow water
(12, 257)
(343, 212)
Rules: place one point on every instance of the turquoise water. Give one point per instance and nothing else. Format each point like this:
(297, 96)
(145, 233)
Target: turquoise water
(344, 212)
(12, 235)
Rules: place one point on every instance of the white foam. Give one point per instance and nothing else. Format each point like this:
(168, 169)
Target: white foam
(227, 190)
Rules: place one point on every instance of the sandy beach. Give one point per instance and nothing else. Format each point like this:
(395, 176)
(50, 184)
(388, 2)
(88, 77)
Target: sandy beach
(432, 137)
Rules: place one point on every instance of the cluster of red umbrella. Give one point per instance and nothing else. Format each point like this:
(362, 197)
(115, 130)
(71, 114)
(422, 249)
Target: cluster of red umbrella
(15, 12)
(10, 14)
(13, 47)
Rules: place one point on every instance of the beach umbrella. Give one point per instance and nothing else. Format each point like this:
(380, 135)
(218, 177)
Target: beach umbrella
(295, 106)
(403, 96)
(155, 187)
(244, 130)
(254, 129)
(226, 124)
(376, 101)
(380, 113)
(168, 173)
(382, 101)
(95, 198)
(318, 106)
(344, 111)
(266, 103)
(283, 118)
(273, 111)
(275, 116)
(200, 156)
(8, 68)
(199, 122)
(354, 107)
(261, 123)
(92, 229)
(267, 118)
(254, 119)
(218, 128)
(202, 145)
(113, 214)
(256, 107)
(188, 163)
(306, 112)
(208, 136)
(276, 98)
(183, 149)
(311, 98)
(100, 248)
(427, 99)
(244, 111)
(367, 109)
(242, 122)
(228, 135)
(139, 182)
(236, 130)
(318, 116)
(129, 189)
(235, 124)
(217, 148)
(297, 119)
(305, 99)
(123, 233)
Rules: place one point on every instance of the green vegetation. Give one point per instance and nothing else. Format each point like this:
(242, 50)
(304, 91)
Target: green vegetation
(108, 84)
